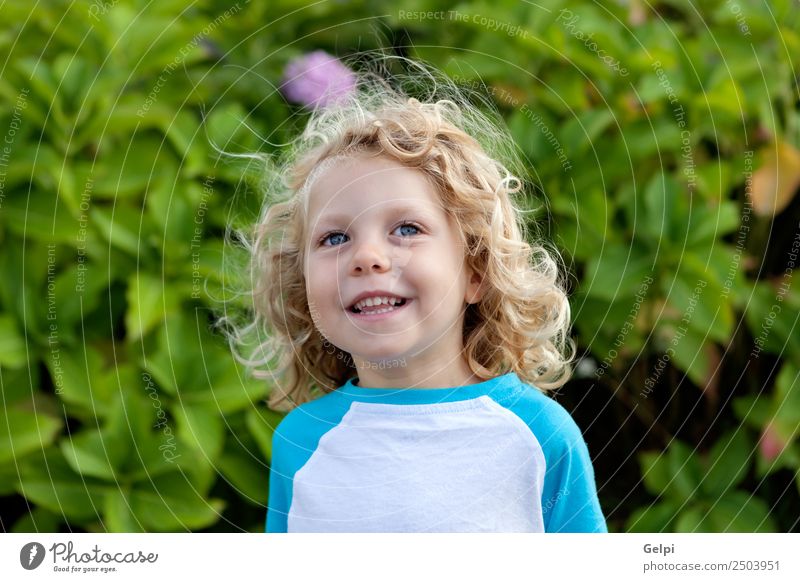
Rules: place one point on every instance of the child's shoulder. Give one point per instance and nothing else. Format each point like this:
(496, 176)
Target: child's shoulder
(308, 418)
(548, 419)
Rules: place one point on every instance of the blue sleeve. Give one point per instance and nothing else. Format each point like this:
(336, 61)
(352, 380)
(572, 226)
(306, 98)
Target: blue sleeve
(569, 500)
(569, 495)
(280, 484)
(294, 440)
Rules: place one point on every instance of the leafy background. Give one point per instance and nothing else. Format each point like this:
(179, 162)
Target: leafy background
(124, 411)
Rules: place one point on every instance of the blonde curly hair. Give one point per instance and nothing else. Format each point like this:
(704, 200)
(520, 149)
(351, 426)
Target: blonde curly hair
(522, 321)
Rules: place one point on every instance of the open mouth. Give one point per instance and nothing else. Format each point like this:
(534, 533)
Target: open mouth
(378, 309)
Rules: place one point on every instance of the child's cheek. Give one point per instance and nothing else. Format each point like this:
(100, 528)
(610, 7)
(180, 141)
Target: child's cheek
(401, 258)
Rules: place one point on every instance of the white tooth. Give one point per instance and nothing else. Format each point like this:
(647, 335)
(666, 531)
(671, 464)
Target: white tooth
(375, 301)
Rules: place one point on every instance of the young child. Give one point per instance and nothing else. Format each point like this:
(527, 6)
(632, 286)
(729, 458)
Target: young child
(412, 331)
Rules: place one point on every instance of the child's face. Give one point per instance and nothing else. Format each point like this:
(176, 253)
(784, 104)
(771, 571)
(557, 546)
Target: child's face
(374, 224)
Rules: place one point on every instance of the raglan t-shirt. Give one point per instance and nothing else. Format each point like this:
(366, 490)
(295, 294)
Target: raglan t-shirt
(496, 456)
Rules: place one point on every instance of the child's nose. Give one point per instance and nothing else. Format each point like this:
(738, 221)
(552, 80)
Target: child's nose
(370, 256)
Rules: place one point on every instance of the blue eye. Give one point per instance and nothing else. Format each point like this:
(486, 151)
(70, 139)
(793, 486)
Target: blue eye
(411, 224)
(332, 235)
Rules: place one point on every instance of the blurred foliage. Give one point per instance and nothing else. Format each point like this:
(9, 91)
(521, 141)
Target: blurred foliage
(676, 215)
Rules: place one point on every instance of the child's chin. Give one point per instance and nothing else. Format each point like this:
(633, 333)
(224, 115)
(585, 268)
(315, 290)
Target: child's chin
(376, 355)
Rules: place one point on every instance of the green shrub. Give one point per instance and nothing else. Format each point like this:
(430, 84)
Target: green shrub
(653, 163)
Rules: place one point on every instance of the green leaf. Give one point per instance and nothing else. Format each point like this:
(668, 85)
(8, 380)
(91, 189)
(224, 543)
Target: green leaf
(690, 355)
(753, 410)
(685, 471)
(697, 297)
(229, 392)
(141, 433)
(160, 453)
(171, 503)
(40, 78)
(693, 520)
(710, 224)
(88, 455)
(21, 286)
(262, 424)
(117, 513)
(773, 322)
(580, 133)
(18, 385)
(79, 380)
(616, 272)
(788, 458)
(200, 427)
(655, 472)
(657, 518)
(199, 366)
(73, 76)
(171, 206)
(127, 172)
(13, 350)
(9, 478)
(724, 98)
(666, 213)
(728, 463)
(739, 511)
(531, 131)
(135, 404)
(585, 229)
(120, 227)
(22, 432)
(150, 299)
(50, 482)
(566, 92)
(644, 139)
(787, 397)
(175, 363)
(227, 127)
(38, 520)
(593, 325)
(248, 474)
(77, 295)
(183, 130)
(41, 216)
(714, 182)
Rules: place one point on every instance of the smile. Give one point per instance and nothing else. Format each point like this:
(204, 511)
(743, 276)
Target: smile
(383, 312)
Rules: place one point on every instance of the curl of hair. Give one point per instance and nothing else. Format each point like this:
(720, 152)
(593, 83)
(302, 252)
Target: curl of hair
(522, 320)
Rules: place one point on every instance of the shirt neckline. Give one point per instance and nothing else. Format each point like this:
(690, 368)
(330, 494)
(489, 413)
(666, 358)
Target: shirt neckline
(498, 387)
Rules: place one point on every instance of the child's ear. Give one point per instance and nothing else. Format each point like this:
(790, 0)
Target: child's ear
(475, 288)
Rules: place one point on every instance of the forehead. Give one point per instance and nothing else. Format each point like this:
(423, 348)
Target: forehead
(359, 185)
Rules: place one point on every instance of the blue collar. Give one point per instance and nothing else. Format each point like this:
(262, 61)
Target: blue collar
(499, 387)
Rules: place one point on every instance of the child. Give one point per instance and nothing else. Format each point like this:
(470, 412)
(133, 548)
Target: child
(412, 331)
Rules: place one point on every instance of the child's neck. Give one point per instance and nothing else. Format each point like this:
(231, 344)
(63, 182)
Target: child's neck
(371, 376)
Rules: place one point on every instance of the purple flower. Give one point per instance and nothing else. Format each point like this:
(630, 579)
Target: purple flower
(317, 79)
